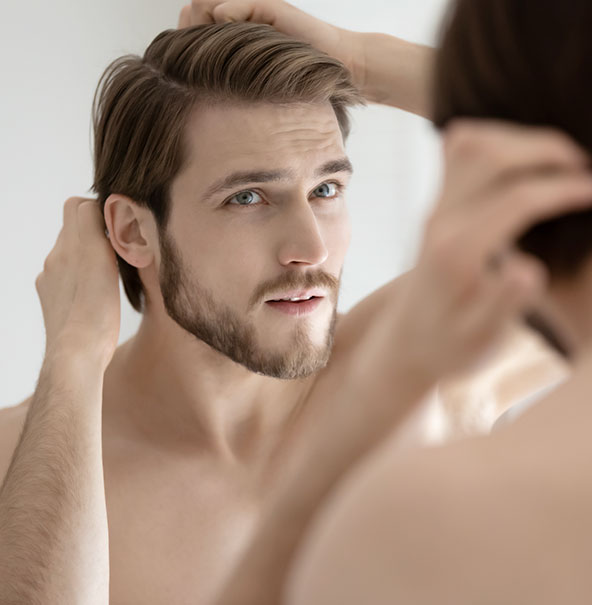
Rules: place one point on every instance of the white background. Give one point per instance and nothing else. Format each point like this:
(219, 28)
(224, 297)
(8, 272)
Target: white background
(51, 57)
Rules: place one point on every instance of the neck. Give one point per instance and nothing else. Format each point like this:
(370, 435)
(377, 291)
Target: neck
(175, 391)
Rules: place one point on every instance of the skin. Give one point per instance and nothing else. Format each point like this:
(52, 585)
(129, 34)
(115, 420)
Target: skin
(498, 520)
(493, 177)
(223, 424)
(204, 453)
(191, 454)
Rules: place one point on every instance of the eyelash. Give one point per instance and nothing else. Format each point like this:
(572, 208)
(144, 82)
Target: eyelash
(340, 187)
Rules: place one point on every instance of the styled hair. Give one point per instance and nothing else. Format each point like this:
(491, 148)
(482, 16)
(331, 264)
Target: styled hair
(531, 63)
(143, 104)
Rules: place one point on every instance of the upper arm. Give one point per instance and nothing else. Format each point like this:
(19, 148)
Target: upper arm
(448, 526)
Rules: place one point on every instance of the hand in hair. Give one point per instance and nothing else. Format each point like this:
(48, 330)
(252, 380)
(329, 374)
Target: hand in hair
(468, 285)
(385, 69)
(471, 280)
(288, 19)
(79, 285)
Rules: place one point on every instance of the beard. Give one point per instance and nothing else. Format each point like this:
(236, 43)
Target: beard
(194, 309)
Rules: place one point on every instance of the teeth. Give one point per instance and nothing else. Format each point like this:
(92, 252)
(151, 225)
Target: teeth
(294, 299)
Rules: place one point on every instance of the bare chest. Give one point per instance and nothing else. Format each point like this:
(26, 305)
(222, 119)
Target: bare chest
(174, 535)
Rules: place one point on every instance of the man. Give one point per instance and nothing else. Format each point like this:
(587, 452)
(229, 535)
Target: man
(238, 263)
(503, 519)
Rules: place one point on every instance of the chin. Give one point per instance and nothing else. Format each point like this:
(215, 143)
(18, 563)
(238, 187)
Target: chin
(300, 359)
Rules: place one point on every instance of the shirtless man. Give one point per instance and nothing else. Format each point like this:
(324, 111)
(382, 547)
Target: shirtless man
(179, 441)
(503, 519)
(191, 448)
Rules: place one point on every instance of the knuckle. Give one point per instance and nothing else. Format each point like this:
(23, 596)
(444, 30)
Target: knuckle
(72, 201)
(464, 140)
(219, 13)
(53, 260)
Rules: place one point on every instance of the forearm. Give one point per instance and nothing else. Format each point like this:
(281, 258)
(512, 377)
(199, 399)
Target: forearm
(392, 71)
(53, 521)
(387, 69)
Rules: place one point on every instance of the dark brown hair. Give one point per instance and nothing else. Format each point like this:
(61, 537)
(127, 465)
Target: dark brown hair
(528, 62)
(142, 105)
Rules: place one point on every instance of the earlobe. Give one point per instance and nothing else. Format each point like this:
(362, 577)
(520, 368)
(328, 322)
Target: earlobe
(131, 230)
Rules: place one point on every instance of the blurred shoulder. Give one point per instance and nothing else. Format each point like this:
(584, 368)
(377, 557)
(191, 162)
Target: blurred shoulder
(354, 326)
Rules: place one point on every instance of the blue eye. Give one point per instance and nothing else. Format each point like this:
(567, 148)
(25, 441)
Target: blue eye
(326, 190)
(245, 198)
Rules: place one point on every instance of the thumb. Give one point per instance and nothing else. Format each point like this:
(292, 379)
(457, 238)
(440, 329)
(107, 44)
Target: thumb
(185, 17)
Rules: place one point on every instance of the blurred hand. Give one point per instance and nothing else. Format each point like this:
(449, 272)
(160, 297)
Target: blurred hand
(339, 43)
(79, 285)
(500, 180)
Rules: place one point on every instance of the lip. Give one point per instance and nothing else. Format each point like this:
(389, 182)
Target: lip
(317, 293)
(296, 309)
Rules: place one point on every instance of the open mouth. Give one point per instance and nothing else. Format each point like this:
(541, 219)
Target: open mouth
(294, 300)
(296, 306)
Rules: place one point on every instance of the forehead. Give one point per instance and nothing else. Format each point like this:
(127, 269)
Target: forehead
(224, 138)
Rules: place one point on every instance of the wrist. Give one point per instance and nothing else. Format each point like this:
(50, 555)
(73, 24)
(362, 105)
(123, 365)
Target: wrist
(351, 51)
(79, 354)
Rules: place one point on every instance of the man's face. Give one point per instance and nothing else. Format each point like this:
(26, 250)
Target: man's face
(258, 214)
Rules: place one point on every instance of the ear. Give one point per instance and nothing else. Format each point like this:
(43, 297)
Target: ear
(132, 230)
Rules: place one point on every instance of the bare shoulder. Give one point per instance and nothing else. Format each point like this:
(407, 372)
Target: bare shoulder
(355, 324)
(431, 511)
(12, 420)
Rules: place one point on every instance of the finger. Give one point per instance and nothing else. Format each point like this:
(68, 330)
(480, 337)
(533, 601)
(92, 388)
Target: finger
(481, 153)
(232, 12)
(514, 146)
(185, 17)
(201, 12)
(70, 227)
(91, 224)
(504, 296)
(492, 226)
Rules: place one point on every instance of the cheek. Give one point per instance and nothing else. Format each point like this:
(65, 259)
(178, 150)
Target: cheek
(337, 235)
(215, 258)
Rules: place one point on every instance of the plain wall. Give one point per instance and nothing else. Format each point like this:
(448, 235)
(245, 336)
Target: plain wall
(52, 55)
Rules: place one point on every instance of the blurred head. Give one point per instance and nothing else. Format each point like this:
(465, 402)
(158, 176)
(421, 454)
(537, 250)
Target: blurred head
(529, 63)
(220, 163)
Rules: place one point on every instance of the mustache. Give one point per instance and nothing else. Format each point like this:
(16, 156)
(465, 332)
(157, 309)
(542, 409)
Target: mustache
(296, 281)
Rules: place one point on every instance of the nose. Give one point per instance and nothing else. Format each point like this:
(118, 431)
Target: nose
(300, 238)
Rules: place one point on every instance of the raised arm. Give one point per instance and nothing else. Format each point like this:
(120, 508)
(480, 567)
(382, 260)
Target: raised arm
(468, 287)
(53, 522)
(386, 69)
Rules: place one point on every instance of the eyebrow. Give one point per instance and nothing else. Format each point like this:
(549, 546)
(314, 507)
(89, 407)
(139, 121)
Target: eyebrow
(240, 178)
